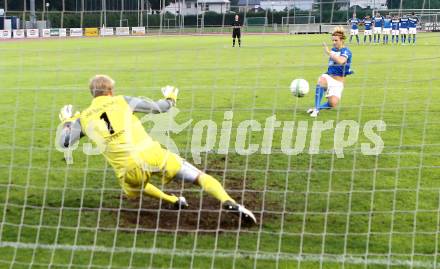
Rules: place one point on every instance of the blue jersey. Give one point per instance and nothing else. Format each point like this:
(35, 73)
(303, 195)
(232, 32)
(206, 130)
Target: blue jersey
(387, 23)
(335, 69)
(354, 23)
(403, 22)
(378, 21)
(395, 24)
(367, 24)
(412, 22)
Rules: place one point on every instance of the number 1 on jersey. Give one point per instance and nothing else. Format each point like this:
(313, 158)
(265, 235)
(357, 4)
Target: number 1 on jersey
(107, 121)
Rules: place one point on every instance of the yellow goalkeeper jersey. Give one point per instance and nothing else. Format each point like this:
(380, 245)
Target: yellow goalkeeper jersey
(119, 135)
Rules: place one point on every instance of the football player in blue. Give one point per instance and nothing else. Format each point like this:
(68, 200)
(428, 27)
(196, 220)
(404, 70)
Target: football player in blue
(332, 82)
(377, 30)
(403, 28)
(395, 22)
(386, 28)
(367, 22)
(412, 27)
(354, 31)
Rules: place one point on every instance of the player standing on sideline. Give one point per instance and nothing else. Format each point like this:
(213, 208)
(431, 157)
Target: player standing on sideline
(377, 30)
(412, 27)
(395, 22)
(386, 28)
(354, 28)
(236, 31)
(135, 157)
(403, 28)
(367, 28)
(332, 81)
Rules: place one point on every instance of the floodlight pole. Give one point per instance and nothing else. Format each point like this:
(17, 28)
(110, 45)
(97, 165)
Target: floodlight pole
(373, 9)
(104, 13)
(47, 15)
(33, 16)
(141, 23)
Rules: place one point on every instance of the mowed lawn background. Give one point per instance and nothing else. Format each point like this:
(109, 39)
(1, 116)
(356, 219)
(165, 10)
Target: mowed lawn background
(313, 210)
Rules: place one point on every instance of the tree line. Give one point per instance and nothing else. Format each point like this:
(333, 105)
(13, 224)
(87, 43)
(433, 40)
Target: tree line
(76, 5)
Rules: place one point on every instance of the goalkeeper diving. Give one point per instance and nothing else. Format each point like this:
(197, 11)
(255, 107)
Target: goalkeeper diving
(135, 157)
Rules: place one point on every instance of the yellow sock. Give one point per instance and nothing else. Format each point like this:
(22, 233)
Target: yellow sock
(153, 191)
(213, 187)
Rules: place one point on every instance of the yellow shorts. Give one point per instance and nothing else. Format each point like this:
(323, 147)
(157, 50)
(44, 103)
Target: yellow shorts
(154, 161)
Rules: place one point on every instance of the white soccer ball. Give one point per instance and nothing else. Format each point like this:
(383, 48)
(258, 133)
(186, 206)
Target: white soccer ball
(299, 87)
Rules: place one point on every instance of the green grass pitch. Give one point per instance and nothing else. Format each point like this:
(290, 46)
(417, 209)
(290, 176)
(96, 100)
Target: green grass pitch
(315, 211)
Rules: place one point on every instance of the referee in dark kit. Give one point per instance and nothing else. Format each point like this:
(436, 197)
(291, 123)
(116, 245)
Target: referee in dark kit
(236, 31)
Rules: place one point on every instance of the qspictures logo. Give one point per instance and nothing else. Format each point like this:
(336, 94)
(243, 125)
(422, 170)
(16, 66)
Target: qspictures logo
(209, 136)
(246, 137)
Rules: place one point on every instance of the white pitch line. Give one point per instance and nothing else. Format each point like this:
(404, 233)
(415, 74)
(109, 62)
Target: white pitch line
(241, 254)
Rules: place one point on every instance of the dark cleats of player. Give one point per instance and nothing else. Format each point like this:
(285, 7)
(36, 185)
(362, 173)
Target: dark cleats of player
(247, 215)
(181, 203)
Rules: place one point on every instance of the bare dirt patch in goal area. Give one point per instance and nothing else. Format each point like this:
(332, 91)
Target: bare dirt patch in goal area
(204, 213)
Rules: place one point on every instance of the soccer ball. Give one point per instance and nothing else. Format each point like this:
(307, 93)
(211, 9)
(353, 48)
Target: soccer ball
(299, 87)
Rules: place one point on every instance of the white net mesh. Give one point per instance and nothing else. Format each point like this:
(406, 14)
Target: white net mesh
(314, 209)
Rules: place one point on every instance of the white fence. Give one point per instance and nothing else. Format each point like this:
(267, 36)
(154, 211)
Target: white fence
(314, 28)
(304, 28)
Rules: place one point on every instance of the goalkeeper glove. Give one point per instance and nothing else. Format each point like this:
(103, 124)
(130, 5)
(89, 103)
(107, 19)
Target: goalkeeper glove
(170, 93)
(66, 114)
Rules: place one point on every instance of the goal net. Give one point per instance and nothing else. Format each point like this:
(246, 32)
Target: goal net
(298, 20)
(256, 21)
(356, 187)
(430, 22)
